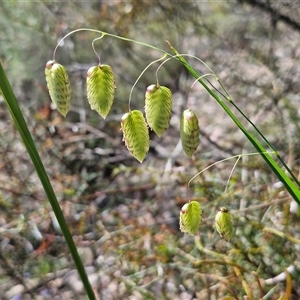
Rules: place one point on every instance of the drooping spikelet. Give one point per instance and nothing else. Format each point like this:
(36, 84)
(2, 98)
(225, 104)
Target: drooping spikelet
(101, 87)
(158, 108)
(190, 217)
(135, 134)
(189, 132)
(58, 85)
(223, 223)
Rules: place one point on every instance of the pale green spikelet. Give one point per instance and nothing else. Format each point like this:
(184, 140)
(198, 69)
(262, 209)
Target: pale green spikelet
(135, 134)
(223, 223)
(189, 132)
(158, 108)
(100, 84)
(190, 217)
(58, 85)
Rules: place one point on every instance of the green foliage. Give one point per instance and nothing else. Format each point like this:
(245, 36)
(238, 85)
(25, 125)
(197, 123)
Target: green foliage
(291, 185)
(139, 248)
(21, 125)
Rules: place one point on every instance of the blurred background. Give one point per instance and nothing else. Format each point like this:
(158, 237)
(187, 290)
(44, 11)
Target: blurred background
(123, 215)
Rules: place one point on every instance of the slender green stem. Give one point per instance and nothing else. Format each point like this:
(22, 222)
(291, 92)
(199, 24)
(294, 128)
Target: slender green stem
(93, 46)
(227, 97)
(269, 144)
(108, 34)
(290, 186)
(288, 183)
(282, 234)
(19, 121)
(238, 156)
(153, 62)
(21, 125)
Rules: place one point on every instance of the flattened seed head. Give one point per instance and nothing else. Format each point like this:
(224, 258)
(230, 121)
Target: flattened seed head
(135, 134)
(190, 217)
(58, 86)
(189, 132)
(100, 84)
(158, 108)
(223, 223)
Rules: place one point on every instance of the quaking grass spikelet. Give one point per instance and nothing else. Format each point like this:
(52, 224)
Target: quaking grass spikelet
(58, 85)
(190, 217)
(189, 132)
(101, 87)
(158, 108)
(223, 223)
(135, 134)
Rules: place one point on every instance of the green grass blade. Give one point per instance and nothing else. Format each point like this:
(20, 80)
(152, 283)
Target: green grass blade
(20, 123)
(288, 183)
(268, 143)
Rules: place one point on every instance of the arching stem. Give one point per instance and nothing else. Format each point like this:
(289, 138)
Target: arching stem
(220, 161)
